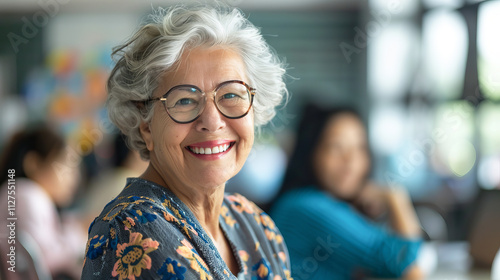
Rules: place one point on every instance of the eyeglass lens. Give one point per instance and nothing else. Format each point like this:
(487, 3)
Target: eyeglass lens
(185, 103)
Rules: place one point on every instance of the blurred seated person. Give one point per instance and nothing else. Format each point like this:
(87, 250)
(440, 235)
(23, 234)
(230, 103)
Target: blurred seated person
(108, 184)
(326, 208)
(45, 180)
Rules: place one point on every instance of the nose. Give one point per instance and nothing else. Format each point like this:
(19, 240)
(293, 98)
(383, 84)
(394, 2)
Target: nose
(348, 158)
(211, 119)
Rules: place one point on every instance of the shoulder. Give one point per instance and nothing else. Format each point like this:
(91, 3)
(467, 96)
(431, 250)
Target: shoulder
(242, 210)
(308, 199)
(147, 230)
(140, 202)
(128, 218)
(32, 200)
(261, 244)
(30, 189)
(301, 210)
(143, 207)
(241, 204)
(250, 218)
(245, 210)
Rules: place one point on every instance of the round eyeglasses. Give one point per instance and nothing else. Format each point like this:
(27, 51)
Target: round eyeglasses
(185, 103)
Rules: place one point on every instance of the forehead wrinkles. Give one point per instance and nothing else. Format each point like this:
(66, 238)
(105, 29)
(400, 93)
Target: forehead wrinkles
(205, 68)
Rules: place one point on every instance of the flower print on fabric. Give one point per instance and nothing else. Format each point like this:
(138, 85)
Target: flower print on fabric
(128, 223)
(168, 205)
(282, 256)
(262, 270)
(244, 256)
(137, 199)
(241, 204)
(143, 217)
(96, 246)
(197, 263)
(224, 212)
(171, 270)
(119, 207)
(127, 240)
(172, 215)
(139, 216)
(169, 217)
(115, 211)
(182, 224)
(133, 256)
(113, 239)
(270, 228)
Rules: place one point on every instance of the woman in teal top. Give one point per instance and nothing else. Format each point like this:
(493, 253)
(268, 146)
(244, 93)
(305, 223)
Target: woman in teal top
(327, 207)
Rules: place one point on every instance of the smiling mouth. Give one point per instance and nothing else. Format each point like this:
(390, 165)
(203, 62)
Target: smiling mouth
(211, 150)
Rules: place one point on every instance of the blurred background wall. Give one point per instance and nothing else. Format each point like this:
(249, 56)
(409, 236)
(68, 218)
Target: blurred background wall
(424, 74)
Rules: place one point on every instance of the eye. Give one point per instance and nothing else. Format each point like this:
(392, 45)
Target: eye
(185, 101)
(229, 96)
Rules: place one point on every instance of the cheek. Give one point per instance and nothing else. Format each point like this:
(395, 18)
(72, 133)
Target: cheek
(168, 135)
(363, 164)
(330, 163)
(245, 130)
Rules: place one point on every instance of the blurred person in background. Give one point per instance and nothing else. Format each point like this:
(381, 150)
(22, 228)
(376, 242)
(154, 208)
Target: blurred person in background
(183, 92)
(327, 206)
(108, 184)
(45, 181)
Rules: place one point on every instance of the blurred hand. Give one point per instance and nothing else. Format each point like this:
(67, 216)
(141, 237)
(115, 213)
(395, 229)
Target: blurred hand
(413, 273)
(372, 200)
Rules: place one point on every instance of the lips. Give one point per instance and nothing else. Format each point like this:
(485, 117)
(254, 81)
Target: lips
(211, 147)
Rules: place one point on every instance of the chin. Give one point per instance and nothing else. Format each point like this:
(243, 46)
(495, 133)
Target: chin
(344, 192)
(213, 179)
(352, 193)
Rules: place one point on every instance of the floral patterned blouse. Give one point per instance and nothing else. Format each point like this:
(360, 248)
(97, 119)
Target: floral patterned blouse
(148, 233)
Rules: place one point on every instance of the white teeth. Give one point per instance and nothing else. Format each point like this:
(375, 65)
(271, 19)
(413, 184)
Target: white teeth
(209, 151)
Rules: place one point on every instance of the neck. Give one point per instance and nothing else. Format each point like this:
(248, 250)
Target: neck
(205, 204)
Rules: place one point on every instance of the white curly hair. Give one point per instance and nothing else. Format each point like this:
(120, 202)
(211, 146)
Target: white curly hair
(156, 47)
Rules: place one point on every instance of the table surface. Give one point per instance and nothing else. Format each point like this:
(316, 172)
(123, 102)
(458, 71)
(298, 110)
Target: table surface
(450, 261)
(447, 274)
(454, 263)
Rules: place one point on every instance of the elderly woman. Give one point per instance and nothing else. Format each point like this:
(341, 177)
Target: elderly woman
(188, 91)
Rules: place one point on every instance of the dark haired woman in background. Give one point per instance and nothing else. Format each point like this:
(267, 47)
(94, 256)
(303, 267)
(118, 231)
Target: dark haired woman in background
(43, 179)
(326, 206)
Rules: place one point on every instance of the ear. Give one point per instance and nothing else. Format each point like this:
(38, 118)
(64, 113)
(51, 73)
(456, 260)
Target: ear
(146, 134)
